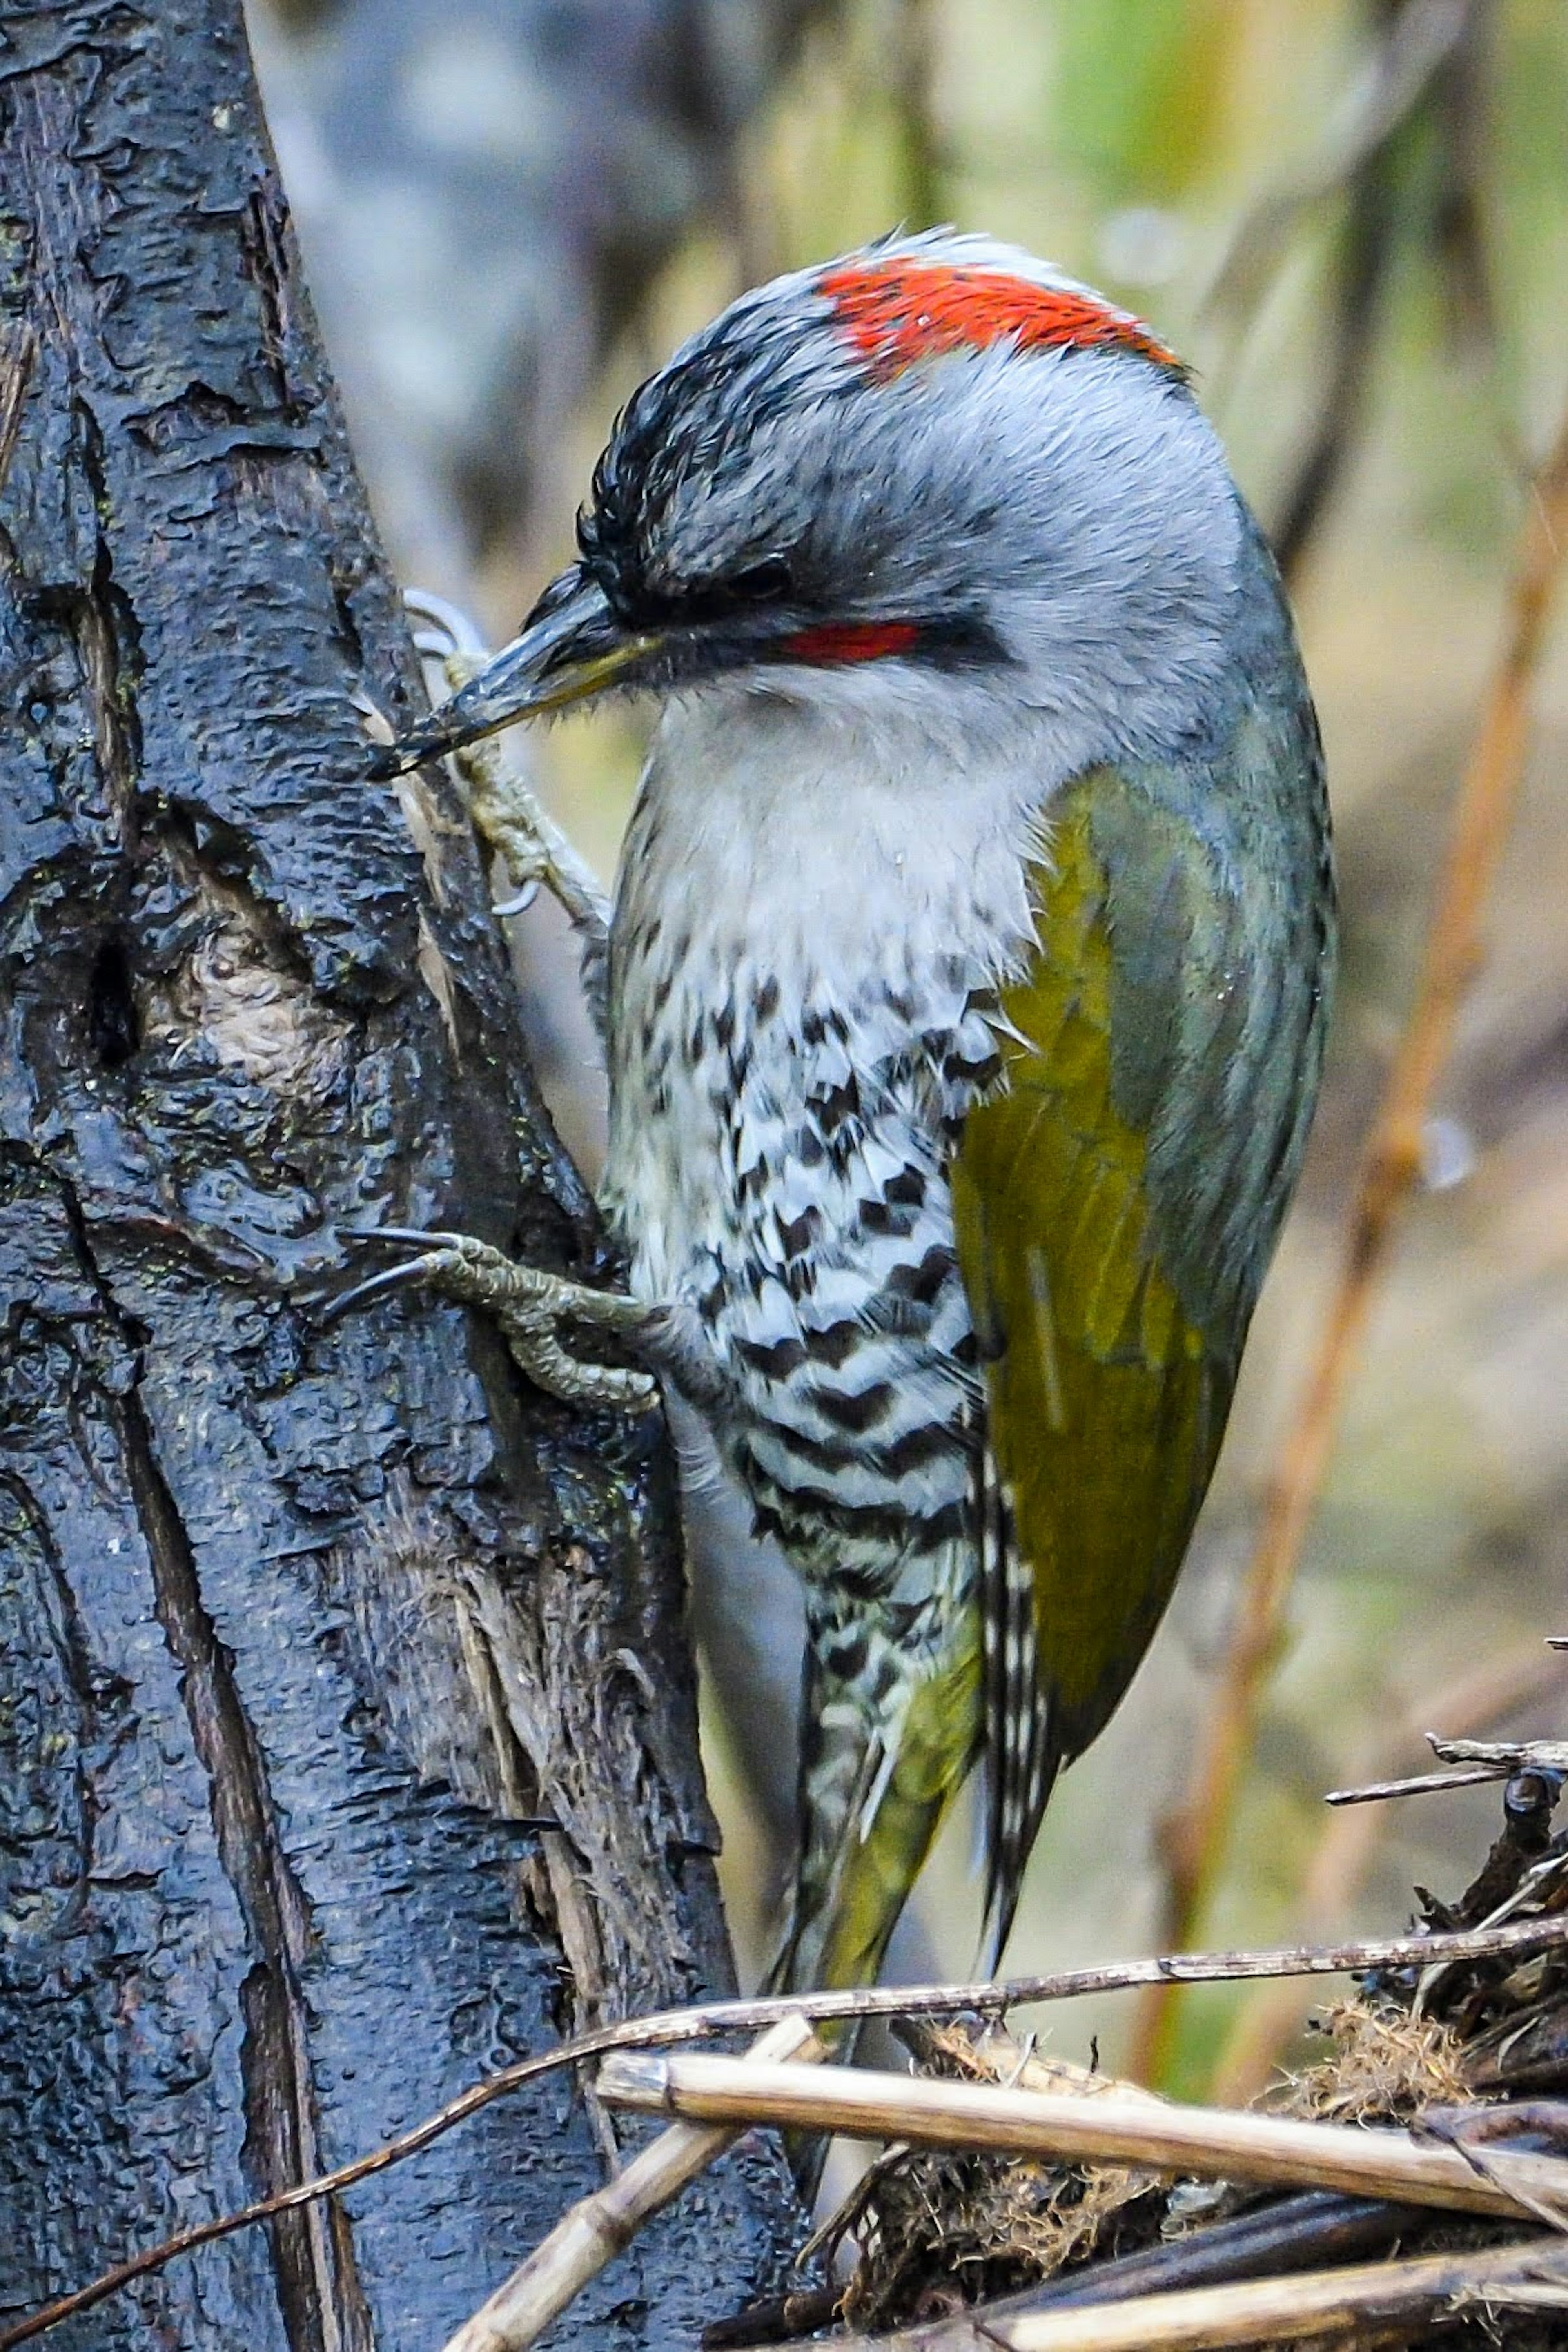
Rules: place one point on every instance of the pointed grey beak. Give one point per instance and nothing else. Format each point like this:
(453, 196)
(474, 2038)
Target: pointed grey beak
(571, 647)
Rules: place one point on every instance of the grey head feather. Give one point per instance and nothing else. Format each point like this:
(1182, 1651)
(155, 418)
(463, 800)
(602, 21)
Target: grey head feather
(1062, 518)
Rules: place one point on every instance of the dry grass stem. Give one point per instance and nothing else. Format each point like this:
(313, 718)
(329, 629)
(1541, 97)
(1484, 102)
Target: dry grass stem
(600, 2227)
(1354, 2305)
(1196, 1838)
(1208, 2143)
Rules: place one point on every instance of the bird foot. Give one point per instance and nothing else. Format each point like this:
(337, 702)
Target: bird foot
(505, 812)
(529, 1305)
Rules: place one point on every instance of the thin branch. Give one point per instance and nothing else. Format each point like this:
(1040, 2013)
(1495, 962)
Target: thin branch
(1503, 1758)
(1149, 2135)
(1419, 1784)
(600, 2227)
(1469, 1762)
(674, 2026)
(1196, 1839)
(1345, 2305)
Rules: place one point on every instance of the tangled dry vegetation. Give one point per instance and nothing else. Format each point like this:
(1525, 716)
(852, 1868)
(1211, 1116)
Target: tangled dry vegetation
(1473, 2057)
(1413, 2184)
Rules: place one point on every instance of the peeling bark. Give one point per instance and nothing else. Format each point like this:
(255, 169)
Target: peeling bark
(303, 1633)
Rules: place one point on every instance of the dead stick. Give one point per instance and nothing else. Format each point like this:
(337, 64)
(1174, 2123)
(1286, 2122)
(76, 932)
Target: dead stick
(1311, 2306)
(1503, 1755)
(601, 2226)
(1208, 2143)
(1513, 1940)
(1417, 1784)
(1196, 1838)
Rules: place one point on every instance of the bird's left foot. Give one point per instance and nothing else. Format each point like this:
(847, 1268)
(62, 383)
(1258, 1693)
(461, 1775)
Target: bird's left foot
(505, 812)
(529, 1303)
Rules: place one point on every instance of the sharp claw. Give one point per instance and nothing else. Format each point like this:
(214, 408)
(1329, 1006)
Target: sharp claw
(461, 635)
(415, 1237)
(520, 905)
(454, 1264)
(379, 1285)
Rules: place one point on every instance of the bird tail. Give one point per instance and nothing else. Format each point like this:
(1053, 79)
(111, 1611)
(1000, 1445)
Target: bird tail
(891, 1726)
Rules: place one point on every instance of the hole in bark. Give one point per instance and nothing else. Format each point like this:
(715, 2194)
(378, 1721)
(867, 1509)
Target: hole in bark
(111, 1009)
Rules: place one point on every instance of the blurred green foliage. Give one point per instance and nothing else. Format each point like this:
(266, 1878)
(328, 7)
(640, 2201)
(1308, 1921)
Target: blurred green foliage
(1142, 92)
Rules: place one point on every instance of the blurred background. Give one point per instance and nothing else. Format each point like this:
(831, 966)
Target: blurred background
(1353, 220)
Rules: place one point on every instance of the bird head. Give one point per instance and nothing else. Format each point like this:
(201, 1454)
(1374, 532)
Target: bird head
(935, 465)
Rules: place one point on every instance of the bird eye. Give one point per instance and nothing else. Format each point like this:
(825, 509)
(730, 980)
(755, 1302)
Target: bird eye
(762, 583)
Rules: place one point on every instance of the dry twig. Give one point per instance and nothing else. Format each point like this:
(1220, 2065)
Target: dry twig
(1270, 2016)
(1501, 1758)
(600, 2227)
(1417, 1784)
(1196, 1839)
(1209, 2143)
(1468, 1764)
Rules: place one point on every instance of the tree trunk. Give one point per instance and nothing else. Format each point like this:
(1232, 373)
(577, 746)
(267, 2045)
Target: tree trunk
(301, 1631)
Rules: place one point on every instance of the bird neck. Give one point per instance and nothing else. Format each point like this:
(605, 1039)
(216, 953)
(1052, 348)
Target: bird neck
(824, 831)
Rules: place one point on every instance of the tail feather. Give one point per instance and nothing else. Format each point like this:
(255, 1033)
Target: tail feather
(1022, 1755)
(891, 1729)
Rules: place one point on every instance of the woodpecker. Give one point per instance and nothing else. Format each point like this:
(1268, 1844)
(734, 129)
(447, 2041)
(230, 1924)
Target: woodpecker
(963, 995)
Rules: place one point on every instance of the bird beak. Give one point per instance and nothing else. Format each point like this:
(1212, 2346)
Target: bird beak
(571, 647)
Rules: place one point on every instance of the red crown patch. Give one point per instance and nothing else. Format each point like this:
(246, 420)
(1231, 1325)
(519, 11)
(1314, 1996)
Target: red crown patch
(897, 312)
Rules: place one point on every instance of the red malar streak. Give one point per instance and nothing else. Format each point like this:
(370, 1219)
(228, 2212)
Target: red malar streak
(850, 641)
(901, 311)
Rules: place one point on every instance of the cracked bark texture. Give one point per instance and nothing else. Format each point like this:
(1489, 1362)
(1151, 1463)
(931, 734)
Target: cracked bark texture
(303, 1633)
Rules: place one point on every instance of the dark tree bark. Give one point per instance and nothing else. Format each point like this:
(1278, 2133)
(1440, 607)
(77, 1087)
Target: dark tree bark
(299, 1629)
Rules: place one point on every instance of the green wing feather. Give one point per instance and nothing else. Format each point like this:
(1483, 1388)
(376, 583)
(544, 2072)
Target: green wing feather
(1115, 1208)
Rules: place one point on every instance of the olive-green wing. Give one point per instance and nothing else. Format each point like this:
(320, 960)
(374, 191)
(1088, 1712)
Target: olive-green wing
(1114, 1210)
